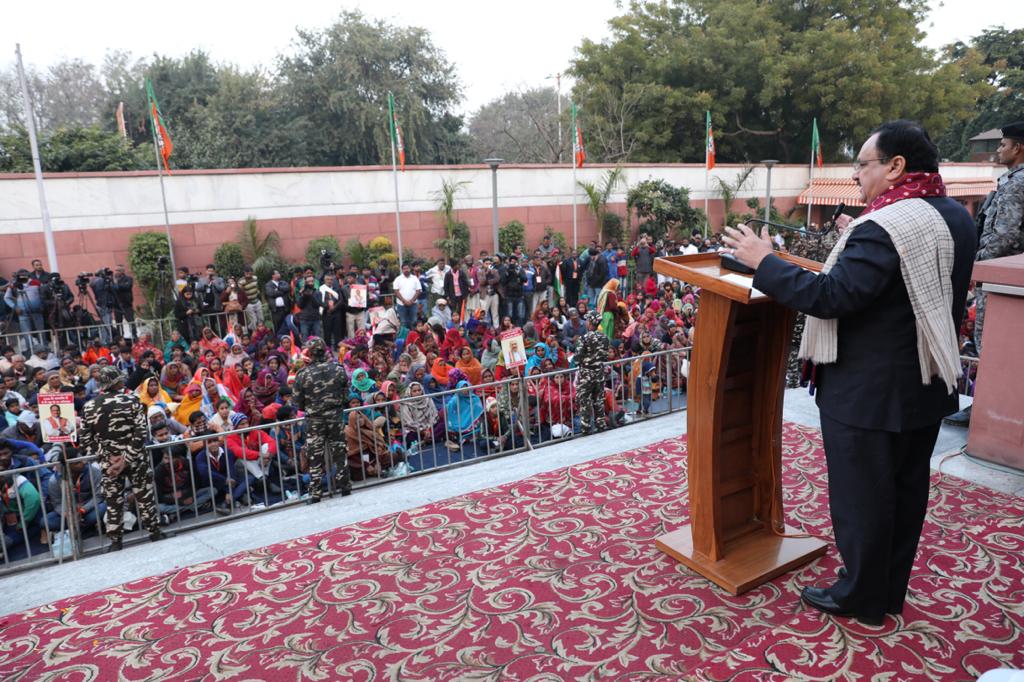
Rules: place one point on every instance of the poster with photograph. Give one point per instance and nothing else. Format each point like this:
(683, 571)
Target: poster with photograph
(57, 417)
(512, 348)
(357, 296)
(375, 313)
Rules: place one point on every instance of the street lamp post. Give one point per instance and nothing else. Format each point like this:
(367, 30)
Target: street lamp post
(768, 163)
(494, 163)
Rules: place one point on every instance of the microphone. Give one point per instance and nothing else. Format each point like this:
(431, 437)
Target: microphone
(729, 262)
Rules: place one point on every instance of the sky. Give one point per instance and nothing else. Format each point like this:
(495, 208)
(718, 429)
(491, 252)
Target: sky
(495, 46)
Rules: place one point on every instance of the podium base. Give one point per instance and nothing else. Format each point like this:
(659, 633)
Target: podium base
(750, 560)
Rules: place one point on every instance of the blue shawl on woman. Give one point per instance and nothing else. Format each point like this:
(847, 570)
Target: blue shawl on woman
(463, 411)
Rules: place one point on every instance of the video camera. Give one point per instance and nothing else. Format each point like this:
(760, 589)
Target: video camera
(327, 260)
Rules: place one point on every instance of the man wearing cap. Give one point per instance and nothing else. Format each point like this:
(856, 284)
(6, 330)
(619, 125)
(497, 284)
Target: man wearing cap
(1001, 226)
(321, 391)
(591, 352)
(113, 427)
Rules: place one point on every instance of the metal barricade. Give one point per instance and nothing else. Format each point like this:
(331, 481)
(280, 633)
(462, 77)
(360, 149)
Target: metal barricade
(220, 475)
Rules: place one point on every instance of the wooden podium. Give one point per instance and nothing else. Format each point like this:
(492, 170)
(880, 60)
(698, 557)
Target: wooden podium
(734, 430)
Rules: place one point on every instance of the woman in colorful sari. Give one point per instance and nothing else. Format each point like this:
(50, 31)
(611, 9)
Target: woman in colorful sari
(469, 365)
(210, 341)
(607, 305)
(236, 356)
(150, 393)
(540, 353)
(174, 380)
(250, 406)
(453, 341)
(368, 453)
(363, 385)
(212, 393)
(489, 358)
(191, 402)
(463, 413)
(265, 389)
(419, 416)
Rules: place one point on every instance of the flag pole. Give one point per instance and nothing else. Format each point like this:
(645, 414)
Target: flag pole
(810, 179)
(575, 143)
(30, 124)
(394, 173)
(707, 149)
(163, 190)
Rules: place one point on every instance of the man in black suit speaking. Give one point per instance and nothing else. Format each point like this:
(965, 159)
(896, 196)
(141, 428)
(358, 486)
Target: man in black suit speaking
(881, 332)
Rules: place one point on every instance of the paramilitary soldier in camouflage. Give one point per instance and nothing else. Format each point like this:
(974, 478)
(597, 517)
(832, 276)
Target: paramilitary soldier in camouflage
(815, 248)
(1001, 218)
(321, 391)
(113, 428)
(591, 353)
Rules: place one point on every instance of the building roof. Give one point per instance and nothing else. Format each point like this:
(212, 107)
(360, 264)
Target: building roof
(833, 191)
(993, 134)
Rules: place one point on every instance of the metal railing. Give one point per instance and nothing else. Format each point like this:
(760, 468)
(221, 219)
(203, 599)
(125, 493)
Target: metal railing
(218, 476)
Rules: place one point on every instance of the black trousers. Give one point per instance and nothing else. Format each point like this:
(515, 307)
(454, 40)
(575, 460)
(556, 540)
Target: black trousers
(878, 494)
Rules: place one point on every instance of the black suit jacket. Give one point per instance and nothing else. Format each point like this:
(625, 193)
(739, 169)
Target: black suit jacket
(875, 382)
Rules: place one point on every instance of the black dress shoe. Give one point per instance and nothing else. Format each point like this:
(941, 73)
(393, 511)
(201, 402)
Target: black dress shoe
(819, 598)
(891, 610)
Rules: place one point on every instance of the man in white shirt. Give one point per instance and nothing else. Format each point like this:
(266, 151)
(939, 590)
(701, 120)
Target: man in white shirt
(42, 358)
(689, 248)
(407, 290)
(436, 275)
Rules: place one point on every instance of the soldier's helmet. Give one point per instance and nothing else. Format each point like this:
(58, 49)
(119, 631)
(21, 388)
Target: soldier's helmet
(316, 348)
(109, 376)
(593, 318)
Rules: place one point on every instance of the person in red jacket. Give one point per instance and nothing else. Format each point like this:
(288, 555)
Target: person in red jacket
(557, 398)
(256, 450)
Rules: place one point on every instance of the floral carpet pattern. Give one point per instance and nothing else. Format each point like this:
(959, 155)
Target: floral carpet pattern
(554, 577)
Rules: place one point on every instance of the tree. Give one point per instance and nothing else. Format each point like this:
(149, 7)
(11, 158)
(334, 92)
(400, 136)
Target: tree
(728, 191)
(144, 252)
(455, 243)
(336, 87)
(229, 260)
(597, 199)
(510, 235)
(764, 70)
(994, 63)
(662, 208)
(520, 127)
(72, 149)
(261, 251)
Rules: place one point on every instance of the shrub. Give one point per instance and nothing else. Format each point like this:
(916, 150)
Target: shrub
(662, 208)
(511, 235)
(358, 254)
(325, 243)
(229, 260)
(144, 249)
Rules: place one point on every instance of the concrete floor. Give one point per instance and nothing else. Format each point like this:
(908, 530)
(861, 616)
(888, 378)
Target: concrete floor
(31, 588)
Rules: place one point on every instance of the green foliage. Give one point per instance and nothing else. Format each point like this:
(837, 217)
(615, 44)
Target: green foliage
(325, 243)
(764, 69)
(728, 191)
(557, 238)
(144, 249)
(455, 243)
(229, 260)
(381, 252)
(598, 195)
(358, 254)
(261, 251)
(662, 208)
(993, 63)
(510, 235)
(336, 84)
(78, 148)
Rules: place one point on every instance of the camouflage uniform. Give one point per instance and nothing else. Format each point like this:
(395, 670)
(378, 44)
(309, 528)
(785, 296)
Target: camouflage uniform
(1002, 230)
(591, 352)
(113, 427)
(321, 391)
(816, 249)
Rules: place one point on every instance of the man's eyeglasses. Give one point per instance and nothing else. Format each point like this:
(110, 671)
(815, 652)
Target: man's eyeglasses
(859, 165)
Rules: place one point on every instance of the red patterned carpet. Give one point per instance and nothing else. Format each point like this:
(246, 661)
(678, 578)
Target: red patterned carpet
(551, 578)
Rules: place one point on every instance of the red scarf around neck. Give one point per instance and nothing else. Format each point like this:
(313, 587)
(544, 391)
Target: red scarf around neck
(910, 186)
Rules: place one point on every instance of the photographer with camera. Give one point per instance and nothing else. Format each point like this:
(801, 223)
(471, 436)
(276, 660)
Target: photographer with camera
(57, 300)
(309, 302)
(124, 307)
(24, 298)
(188, 315)
(102, 285)
(209, 288)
